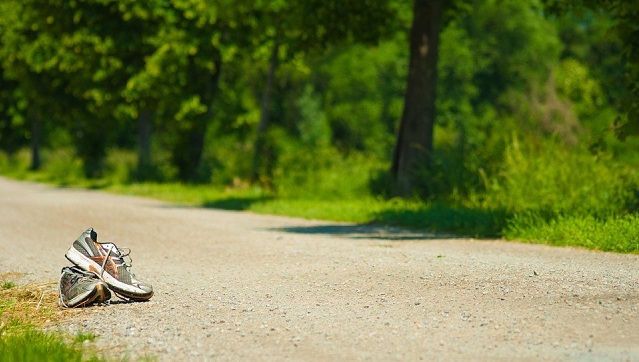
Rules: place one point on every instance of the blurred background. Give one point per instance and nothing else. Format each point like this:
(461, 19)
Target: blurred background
(290, 103)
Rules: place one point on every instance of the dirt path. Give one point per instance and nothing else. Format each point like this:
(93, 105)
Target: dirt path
(238, 286)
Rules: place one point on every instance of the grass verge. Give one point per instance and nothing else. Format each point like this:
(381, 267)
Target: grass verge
(616, 233)
(24, 310)
(612, 234)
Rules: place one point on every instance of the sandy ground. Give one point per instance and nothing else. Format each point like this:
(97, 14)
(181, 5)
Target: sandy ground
(233, 286)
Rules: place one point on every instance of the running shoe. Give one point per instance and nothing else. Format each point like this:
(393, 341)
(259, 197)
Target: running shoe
(78, 288)
(109, 263)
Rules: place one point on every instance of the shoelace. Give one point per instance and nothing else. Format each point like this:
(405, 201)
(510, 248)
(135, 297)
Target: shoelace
(125, 255)
(108, 254)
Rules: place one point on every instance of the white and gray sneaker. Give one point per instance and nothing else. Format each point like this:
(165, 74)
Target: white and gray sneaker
(78, 288)
(110, 264)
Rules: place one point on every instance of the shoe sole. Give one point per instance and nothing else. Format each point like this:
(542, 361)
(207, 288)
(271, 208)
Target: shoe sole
(126, 290)
(102, 293)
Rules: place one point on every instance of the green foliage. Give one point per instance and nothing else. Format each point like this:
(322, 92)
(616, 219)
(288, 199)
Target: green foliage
(227, 160)
(363, 100)
(553, 180)
(523, 138)
(624, 31)
(13, 128)
(16, 164)
(120, 166)
(493, 56)
(519, 31)
(63, 166)
(312, 125)
(574, 83)
(322, 174)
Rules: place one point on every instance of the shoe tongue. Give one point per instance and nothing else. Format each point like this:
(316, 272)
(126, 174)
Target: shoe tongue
(114, 251)
(94, 235)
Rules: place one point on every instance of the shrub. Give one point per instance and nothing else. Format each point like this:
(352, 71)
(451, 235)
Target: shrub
(62, 166)
(322, 173)
(616, 233)
(553, 180)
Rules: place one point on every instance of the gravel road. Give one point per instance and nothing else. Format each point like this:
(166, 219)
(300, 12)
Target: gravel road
(235, 286)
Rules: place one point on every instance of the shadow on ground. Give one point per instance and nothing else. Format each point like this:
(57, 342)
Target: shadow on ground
(366, 231)
(235, 203)
(470, 222)
(398, 221)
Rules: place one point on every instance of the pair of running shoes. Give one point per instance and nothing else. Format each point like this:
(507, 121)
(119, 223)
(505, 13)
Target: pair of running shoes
(99, 269)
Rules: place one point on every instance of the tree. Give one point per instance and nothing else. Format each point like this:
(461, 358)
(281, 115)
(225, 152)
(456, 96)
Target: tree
(496, 60)
(12, 124)
(61, 55)
(415, 138)
(94, 66)
(625, 14)
(293, 29)
(36, 62)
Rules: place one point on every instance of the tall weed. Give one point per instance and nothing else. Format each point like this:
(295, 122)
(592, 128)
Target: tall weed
(563, 196)
(617, 233)
(16, 164)
(321, 173)
(62, 166)
(553, 180)
(120, 166)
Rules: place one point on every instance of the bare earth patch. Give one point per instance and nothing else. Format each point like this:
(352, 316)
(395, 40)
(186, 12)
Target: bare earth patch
(235, 286)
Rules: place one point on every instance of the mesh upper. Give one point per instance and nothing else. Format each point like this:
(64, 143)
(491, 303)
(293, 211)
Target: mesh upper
(72, 285)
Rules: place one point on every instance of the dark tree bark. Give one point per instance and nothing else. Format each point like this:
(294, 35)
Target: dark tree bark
(189, 149)
(36, 140)
(145, 133)
(187, 152)
(415, 138)
(265, 111)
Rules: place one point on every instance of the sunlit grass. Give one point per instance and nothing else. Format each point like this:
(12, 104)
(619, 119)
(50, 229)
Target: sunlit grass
(24, 310)
(27, 303)
(357, 211)
(615, 234)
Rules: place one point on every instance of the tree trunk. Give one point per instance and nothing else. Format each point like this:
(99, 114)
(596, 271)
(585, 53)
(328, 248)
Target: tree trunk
(265, 111)
(145, 130)
(187, 154)
(188, 149)
(415, 138)
(36, 140)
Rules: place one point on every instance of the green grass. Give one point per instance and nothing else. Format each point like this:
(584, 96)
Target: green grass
(23, 311)
(412, 214)
(7, 285)
(21, 342)
(612, 233)
(615, 234)
(84, 336)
